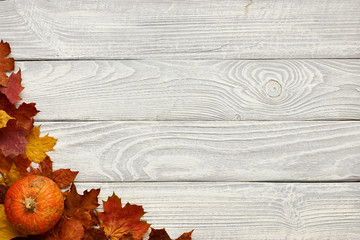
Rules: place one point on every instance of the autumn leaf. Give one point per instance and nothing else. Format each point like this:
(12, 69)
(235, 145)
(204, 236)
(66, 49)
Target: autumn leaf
(63, 177)
(6, 64)
(4, 118)
(5, 164)
(75, 202)
(94, 234)
(13, 88)
(12, 139)
(22, 164)
(45, 168)
(6, 230)
(82, 207)
(23, 114)
(11, 177)
(66, 229)
(37, 146)
(3, 190)
(161, 234)
(117, 221)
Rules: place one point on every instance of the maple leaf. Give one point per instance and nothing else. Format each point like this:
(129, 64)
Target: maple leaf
(63, 177)
(6, 230)
(161, 234)
(3, 190)
(22, 164)
(82, 207)
(94, 234)
(6, 64)
(4, 118)
(5, 164)
(12, 139)
(11, 177)
(23, 114)
(13, 88)
(37, 146)
(45, 168)
(66, 229)
(117, 221)
(75, 202)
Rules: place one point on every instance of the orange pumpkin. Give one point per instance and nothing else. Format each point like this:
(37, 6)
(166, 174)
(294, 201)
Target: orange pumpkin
(34, 204)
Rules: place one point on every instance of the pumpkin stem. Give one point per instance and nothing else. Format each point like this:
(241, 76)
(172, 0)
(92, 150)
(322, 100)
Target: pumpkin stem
(30, 204)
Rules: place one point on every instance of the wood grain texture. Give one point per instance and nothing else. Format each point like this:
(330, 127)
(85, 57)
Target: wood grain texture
(242, 211)
(194, 90)
(208, 151)
(194, 29)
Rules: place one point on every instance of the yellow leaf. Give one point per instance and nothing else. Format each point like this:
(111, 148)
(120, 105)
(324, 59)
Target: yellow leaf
(12, 176)
(7, 232)
(37, 146)
(4, 118)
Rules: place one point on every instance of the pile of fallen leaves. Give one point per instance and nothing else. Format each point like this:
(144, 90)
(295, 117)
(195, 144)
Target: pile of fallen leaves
(23, 153)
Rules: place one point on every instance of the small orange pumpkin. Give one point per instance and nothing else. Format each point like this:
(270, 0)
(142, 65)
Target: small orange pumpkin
(34, 204)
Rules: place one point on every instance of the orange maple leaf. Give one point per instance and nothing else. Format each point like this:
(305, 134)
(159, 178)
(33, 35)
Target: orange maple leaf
(6, 64)
(94, 234)
(82, 207)
(119, 222)
(13, 88)
(66, 229)
(75, 202)
(5, 164)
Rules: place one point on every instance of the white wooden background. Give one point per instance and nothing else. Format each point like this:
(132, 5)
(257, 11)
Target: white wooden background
(236, 118)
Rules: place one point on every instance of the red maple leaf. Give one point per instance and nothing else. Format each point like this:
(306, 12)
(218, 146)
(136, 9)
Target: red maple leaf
(23, 114)
(13, 88)
(12, 139)
(119, 222)
(161, 234)
(22, 163)
(6, 64)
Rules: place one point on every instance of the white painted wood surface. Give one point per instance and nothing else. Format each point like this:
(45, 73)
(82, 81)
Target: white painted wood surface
(208, 151)
(145, 127)
(176, 29)
(194, 90)
(244, 211)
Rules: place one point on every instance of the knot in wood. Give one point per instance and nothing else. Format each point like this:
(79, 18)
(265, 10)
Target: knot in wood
(273, 88)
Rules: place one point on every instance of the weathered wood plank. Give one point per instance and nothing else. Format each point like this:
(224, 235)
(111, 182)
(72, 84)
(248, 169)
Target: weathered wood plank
(236, 211)
(208, 151)
(194, 90)
(201, 29)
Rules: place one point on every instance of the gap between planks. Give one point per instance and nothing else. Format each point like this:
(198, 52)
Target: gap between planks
(170, 59)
